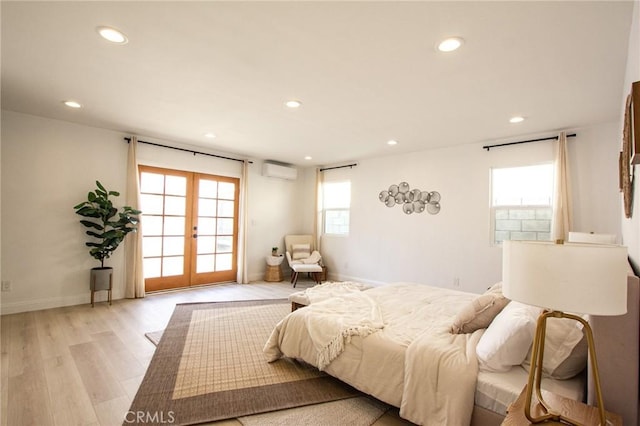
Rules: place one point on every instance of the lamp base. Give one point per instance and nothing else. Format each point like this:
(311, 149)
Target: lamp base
(585, 415)
(535, 373)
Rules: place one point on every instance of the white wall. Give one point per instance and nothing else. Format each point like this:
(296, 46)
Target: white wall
(386, 245)
(48, 166)
(631, 227)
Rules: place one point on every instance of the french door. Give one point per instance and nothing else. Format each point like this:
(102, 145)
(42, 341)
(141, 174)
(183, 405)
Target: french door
(189, 228)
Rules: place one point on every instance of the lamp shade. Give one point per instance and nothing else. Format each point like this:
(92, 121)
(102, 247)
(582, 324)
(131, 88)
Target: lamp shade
(578, 278)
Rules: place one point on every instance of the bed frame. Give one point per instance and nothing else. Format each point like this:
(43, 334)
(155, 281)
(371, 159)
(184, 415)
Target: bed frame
(617, 341)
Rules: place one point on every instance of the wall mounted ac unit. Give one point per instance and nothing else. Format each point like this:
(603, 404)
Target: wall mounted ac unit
(279, 171)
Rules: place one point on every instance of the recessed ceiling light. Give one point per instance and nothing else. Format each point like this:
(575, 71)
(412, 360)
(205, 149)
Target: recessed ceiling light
(72, 104)
(209, 135)
(293, 104)
(516, 119)
(392, 142)
(112, 35)
(450, 44)
(308, 157)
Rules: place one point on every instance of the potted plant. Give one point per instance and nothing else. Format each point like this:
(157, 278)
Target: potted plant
(107, 227)
(274, 251)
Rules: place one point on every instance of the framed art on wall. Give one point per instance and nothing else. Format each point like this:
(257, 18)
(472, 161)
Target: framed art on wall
(634, 122)
(628, 156)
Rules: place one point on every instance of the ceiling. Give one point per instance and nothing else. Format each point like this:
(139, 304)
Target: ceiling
(365, 72)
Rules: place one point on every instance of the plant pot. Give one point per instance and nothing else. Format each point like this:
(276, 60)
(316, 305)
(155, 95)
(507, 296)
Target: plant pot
(101, 279)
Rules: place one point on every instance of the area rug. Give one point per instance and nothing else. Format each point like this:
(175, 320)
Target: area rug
(361, 411)
(209, 366)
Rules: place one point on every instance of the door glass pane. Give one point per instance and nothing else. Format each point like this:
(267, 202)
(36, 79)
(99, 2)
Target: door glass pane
(172, 266)
(176, 185)
(166, 198)
(206, 245)
(208, 189)
(175, 206)
(151, 267)
(224, 245)
(151, 204)
(206, 226)
(205, 263)
(152, 225)
(172, 246)
(225, 208)
(226, 190)
(225, 226)
(152, 246)
(151, 182)
(174, 225)
(206, 207)
(223, 262)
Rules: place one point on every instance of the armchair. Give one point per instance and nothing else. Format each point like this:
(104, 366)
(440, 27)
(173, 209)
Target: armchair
(302, 257)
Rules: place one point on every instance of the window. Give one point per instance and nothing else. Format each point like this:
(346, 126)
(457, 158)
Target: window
(336, 199)
(521, 203)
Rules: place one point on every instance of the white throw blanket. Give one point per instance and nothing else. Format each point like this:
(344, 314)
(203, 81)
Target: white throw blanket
(440, 391)
(329, 324)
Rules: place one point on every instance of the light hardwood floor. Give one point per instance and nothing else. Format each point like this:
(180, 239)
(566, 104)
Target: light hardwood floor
(80, 365)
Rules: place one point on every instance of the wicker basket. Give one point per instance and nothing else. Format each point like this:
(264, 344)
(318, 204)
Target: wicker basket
(273, 273)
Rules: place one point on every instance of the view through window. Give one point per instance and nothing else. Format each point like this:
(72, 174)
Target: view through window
(336, 200)
(521, 203)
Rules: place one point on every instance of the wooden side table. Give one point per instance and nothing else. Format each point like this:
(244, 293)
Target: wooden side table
(586, 415)
(323, 275)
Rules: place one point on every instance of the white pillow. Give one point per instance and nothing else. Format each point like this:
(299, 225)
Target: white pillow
(507, 340)
(300, 251)
(565, 349)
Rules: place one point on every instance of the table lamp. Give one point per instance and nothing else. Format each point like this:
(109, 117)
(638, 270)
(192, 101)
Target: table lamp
(565, 280)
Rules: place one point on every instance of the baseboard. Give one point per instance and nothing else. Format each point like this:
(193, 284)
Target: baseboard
(342, 277)
(51, 302)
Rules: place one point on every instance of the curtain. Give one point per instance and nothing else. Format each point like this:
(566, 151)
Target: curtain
(243, 274)
(561, 223)
(317, 217)
(134, 278)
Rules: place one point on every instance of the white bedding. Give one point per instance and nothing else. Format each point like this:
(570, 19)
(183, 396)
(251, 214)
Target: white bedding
(329, 324)
(437, 370)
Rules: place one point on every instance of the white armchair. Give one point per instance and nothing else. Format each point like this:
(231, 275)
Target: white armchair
(302, 257)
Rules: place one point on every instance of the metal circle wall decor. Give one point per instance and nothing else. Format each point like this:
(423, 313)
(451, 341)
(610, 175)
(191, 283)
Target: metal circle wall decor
(412, 201)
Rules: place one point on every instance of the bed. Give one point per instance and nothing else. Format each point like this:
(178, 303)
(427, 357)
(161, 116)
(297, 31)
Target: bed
(378, 340)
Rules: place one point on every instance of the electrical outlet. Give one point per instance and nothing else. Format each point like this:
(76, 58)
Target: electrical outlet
(456, 282)
(6, 285)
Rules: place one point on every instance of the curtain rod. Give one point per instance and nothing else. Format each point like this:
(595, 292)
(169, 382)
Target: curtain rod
(188, 150)
(339, 167)
(488, 147)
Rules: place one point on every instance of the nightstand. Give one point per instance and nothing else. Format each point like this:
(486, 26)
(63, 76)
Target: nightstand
(584, 414)
(273, 273)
